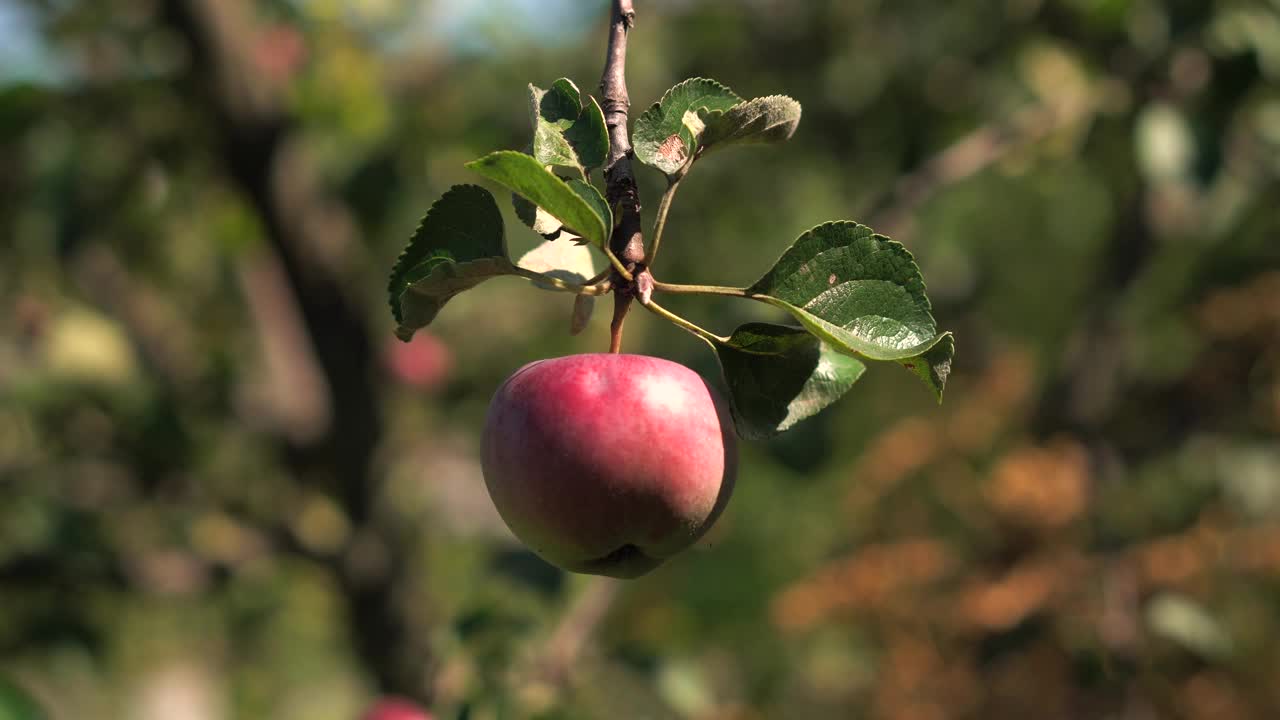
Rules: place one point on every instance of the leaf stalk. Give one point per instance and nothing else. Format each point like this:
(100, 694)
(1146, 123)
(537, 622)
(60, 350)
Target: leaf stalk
(681, 322)
(676, 289)
(598, 287)
(660, 224)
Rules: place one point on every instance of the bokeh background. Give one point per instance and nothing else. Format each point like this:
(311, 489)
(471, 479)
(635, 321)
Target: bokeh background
(227, 492)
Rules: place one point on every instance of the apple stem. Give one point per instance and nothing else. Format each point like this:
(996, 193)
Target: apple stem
(621, 306)
(703, 290)
(681, 322)
(591, 287)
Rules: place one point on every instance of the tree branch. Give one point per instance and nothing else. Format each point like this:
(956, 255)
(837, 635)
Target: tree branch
(627, 240)
(970, 155)
(569, 638)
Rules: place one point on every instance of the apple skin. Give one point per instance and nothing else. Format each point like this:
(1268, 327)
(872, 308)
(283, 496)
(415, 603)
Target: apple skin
(608, 464)
(424, 362)
(395, 709)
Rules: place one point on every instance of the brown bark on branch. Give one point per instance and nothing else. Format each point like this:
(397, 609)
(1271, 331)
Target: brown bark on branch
(627, 239)
(971, 154)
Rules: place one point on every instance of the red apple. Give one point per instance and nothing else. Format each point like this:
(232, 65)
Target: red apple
(395, 709)
(424, 362)
(280, 52)
(608, 464)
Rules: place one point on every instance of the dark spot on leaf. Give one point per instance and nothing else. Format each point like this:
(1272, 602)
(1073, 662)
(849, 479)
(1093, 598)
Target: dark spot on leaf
(909, 366)
(673, 149)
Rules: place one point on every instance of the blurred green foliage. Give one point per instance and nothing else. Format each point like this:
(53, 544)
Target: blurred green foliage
(1088, 527)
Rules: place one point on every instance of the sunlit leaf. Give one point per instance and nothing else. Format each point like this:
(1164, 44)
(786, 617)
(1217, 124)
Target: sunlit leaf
(560, 258)
(666, 135)
(567, 132)
(762, 120)
(538, 220)
(863, 293)
(589, 136)
(579, 206)
(933, 366)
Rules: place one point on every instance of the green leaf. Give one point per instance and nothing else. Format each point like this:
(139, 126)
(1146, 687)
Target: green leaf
(435, 282)
(778, 376)
(589, 136)
(570, 90)
(458, 245)
(592, 196)
(583, 305)
(566, 131)
(762, 120)
(579, 206)
(934, 365)
(667, 134)
(553, 111)
(863, 288)
(863, 293)
(536, 218)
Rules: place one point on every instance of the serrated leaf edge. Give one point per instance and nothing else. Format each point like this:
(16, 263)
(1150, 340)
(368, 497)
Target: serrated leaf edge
(404, 332)
(822, 328)
(762, 99)
(402, 265)
(605, 221)
(666, 96)
(889, 242)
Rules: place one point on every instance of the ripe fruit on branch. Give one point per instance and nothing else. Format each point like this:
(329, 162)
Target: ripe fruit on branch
(608, 464)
